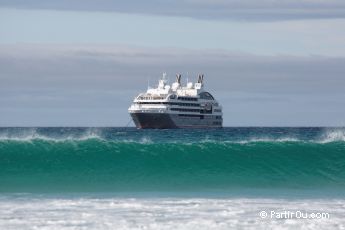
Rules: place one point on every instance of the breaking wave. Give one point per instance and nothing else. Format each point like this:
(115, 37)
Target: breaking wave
(93, 163)
(323, 135)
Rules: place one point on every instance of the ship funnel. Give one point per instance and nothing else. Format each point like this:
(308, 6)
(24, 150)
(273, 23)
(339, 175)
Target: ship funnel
(178, 78)
(200, 78)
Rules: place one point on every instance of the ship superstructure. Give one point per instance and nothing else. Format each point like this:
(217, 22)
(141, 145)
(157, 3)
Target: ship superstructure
(176, 106)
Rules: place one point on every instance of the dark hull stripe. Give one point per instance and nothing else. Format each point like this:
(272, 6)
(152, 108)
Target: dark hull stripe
(162, 121)
(153, 121)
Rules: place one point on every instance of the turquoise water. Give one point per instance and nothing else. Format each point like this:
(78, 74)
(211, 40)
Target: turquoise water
(130, 160)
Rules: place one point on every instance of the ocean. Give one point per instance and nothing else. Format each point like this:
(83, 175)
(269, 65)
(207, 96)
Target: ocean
(124, 178)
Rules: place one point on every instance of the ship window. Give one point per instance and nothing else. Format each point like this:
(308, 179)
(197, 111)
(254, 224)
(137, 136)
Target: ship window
(187, 98)
(168, 103)
(191, 115)
(185, 110)
(206, 96)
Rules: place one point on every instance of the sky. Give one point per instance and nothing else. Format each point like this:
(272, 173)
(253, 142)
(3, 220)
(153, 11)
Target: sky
(81, 62)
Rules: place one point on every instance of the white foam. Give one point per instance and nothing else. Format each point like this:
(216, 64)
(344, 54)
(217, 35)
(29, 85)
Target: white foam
(32, 134)
(333, 135)
(329, 135)
(145, 140)
(251, 140)
(163, 213)
(283, 139)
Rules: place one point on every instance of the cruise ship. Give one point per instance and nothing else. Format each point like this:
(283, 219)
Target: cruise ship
(176, 106)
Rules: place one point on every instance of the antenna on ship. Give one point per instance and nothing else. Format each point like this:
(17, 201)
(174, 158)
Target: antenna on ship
(148, 82)
(178, 78)
(200, 78)
(187, 78)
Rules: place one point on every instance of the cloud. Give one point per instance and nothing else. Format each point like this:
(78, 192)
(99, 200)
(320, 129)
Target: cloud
(201, 9)
(39, 81)
(98, 65)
